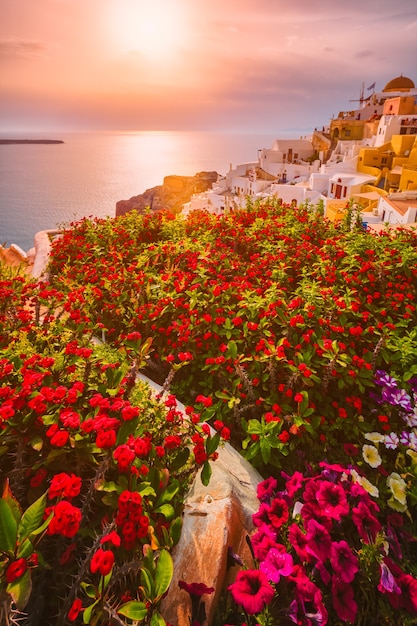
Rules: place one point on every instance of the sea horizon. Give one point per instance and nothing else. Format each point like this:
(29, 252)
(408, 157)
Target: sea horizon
(47, 186)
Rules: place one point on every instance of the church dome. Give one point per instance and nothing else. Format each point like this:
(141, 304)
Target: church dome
(401, 83)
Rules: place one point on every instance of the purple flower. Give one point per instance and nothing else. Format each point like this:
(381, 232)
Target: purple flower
(252, 591)
(344, 563)
(318, 540)
(332, 499)
(385, 380)
(344, 601)
(276, 564)
(398, 397)
(387, 581)
(266, 489)
(391, 441)
(410, 418)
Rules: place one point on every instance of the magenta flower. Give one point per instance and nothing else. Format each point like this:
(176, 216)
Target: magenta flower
(332, 499)
(318, 540)
(195, 589)
(263, 541)
(252, 591)
(368, 526)
(344, 601)
(266, 489)
(294, 483)
(345, 564)
(298, 541)
(261, 517)
(278, 513)
(276, 564)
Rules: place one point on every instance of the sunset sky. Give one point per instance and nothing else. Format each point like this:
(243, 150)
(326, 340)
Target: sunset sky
(253, 65)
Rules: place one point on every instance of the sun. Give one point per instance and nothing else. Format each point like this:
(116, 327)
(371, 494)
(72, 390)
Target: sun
(154, 28)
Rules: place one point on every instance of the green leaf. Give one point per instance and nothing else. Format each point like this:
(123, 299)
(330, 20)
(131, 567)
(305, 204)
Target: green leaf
(133, 610)
(8, 528)
(167, 510)
(32, 517)
(206, 473)
(126, 429)
(254, 427)
(88, 611)
(145, 489)
(102, 485)
(232, 349)
(265, 450)
(212, 443)
(89, 590)
(163, 574)
(168, 493)
(180, 460)
(147, 583)
(175, 530)
(157, 620)
(25, 549)
(37, 443)
(20, 590)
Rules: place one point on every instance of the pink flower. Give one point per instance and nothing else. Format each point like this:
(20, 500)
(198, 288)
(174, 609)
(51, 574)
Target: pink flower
(252, 591)
(344, 563)
(276, 564)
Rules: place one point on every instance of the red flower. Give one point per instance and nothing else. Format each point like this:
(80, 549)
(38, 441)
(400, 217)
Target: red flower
(65, 521)
(102, 562)
(60, 438)
(112, 538)
(106, 439)
(75, 609)
(15, 570)
(64, 485)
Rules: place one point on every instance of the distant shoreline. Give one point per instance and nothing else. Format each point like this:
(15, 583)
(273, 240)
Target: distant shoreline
(12, 141)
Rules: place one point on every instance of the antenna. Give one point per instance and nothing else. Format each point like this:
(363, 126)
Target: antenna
(361, 95)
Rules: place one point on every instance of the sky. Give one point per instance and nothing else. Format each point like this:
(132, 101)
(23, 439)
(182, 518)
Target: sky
(235, 65)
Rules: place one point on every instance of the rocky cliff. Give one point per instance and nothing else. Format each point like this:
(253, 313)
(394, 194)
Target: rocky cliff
(172, 194)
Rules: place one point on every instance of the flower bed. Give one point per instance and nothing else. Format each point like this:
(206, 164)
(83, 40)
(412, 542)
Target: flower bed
(272, 324)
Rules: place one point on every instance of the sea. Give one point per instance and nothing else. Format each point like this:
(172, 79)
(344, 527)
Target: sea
(44, 186)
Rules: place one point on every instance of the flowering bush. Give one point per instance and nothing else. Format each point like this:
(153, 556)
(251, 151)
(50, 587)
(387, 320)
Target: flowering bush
(339, 545)
(94, 470)
(270, 324)
(328, 554)
(277, 316)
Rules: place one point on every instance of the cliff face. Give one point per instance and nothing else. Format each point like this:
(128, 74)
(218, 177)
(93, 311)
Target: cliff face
(172, 194)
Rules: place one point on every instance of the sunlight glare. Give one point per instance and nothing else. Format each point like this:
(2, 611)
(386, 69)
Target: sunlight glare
(154, 28)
